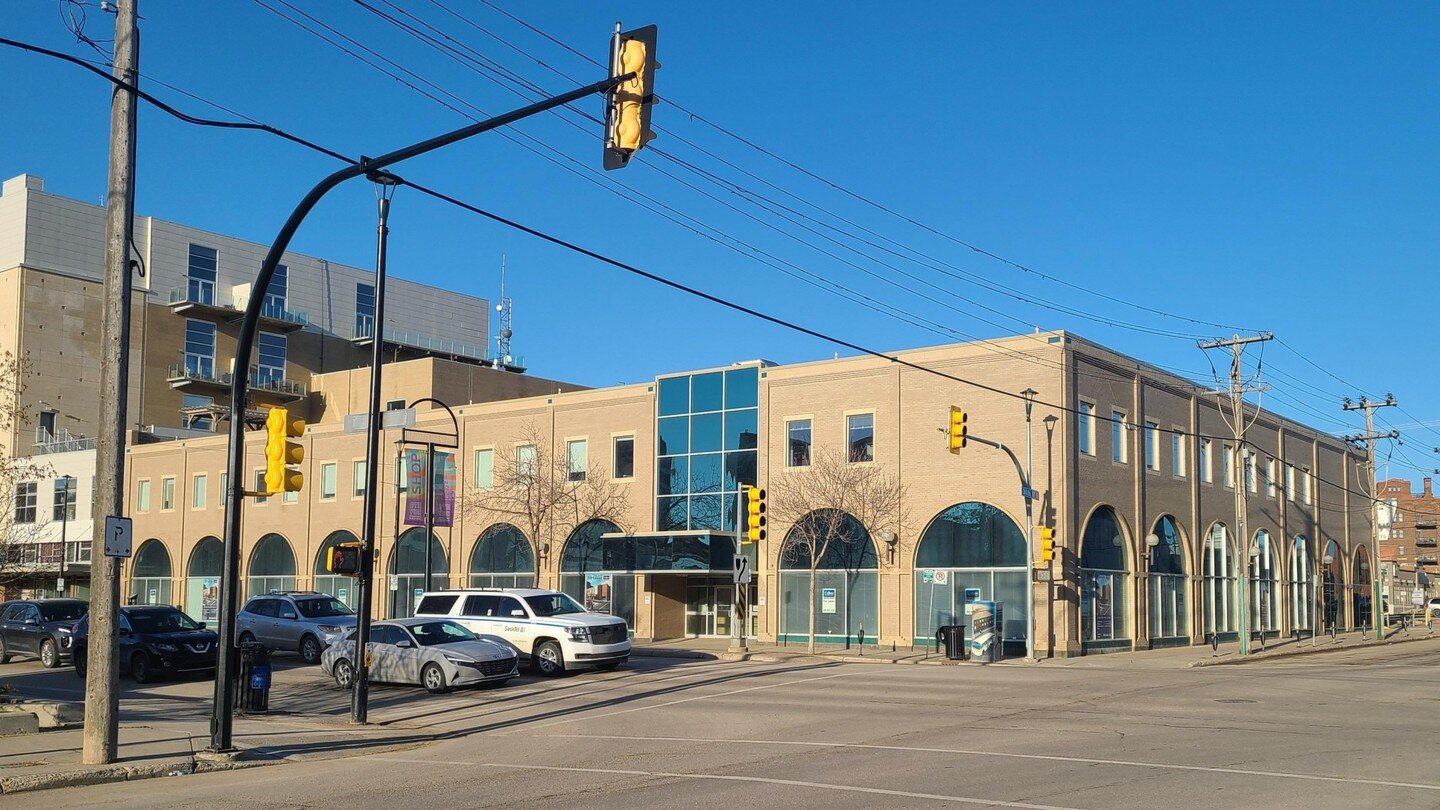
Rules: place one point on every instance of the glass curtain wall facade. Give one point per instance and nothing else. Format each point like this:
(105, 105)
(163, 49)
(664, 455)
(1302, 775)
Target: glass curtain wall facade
(847, 594)
(599, 575)
(976, 548)
(342, 588)
(407, 571)
(1264, 586)
(272, 566)
(1169, 607)
(1302, 585)
(150, 584)
(1103, 574)
(1218, 579)
(202, 580)
(502, 559)
(707, 432)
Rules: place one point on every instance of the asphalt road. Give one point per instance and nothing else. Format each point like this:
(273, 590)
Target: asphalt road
(1349, 729)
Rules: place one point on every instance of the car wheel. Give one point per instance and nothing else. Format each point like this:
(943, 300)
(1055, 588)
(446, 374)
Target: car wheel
(140, 668)
(4, 651)
(310, 649)
(549, 660)
(609, 667)
(247, 637)
(80, 666)
(49, 654)
(433, 678)
(344, 674)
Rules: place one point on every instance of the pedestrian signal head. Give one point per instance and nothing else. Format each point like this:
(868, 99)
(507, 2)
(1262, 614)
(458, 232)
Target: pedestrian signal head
(627, 111)
(958, 431)
(343, 559)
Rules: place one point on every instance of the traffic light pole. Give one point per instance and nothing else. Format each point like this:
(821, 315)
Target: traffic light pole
(221, 719)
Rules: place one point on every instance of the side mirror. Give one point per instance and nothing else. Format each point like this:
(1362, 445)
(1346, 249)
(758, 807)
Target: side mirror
(287, 615)
(404, 644)
(32, 620)
(519, 614)
(202, 625)
(125, 631)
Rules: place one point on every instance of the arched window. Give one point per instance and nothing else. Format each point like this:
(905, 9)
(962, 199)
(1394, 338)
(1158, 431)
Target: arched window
(272, 566)
(976, 548)
(1218, 580)
(502, 559)
(340, 587)
(150, 576)
(202, 580)
(1169, 614)
(1302, 584)
(1103, 571)
(846, 593)
(599, 574)
(1264, 585)
(1332, 578)
(1361, 590)
(407, 565)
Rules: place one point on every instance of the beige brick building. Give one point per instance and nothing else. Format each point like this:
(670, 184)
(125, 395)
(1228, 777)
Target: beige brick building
(1122, 451)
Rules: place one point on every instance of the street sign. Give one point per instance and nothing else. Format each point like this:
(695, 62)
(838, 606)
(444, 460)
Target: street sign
(1417, 597)
(1042, 574)
(741, 569)
(1027, 492)
(117, 536)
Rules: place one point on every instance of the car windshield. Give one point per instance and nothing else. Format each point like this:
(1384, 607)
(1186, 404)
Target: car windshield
(161, 621)
(66, 612)
(320, 608)
(553, 604)
(430, 634)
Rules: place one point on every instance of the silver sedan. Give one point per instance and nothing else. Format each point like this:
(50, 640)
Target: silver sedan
(434, 653)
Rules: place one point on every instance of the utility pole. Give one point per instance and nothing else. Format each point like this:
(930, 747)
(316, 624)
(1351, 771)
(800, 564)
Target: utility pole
(102, 684)
(1029, 394)
(1238, 426)
(1369, 439)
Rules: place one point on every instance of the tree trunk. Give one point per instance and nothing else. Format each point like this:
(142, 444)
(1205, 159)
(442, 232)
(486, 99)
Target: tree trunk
(810, 644)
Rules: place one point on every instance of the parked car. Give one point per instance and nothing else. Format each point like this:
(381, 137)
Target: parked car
(435, 653)
(295, 621)
(39, 628)
(552, 629)
(154, 640)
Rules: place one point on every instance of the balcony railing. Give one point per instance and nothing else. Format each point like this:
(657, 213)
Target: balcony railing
(181, 372)
(61, 441)
(1425, 542)
(275, 310)
(1425, 523)
(1425, 560)
(365, 329)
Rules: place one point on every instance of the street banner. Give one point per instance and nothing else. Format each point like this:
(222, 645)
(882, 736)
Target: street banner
(444, 484)
(597, 592)
(415, 487)
(210, 600)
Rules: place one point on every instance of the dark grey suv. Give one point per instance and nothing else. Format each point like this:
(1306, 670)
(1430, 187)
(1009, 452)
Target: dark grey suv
(39, 628)
(295, 621)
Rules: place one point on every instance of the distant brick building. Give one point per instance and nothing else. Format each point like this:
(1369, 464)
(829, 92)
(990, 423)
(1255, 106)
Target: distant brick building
(1409, 538)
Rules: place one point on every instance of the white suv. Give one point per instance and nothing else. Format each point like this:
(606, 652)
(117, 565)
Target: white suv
(550, 627)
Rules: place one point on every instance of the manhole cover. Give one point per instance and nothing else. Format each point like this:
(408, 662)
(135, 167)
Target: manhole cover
(1235, 700)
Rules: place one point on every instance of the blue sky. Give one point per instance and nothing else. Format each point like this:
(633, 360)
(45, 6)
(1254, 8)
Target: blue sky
(1270, 166)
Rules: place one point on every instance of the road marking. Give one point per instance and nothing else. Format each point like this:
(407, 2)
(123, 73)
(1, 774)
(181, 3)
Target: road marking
(1009, 755)
(588, 717)
(734, 778)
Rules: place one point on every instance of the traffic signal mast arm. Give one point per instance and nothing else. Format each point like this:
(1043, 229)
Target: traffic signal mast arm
(1019, 468)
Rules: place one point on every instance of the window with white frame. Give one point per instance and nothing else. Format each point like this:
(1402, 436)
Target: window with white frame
(1152, 446)
(798, 442)
(1177, 454)
(860, 436)
(1309, 479)
(359, 479)
(167, 494)
(1270, 477)
(197, 491)
(1085, 428)
(525, 462)
(260, 487)
(1228, 457)
(271, 350)
(1119, 438)
(1202, 458)
(200, 349)
(63, 503)
(1290, 482)
(576, 459)
(142, 496)
(624, 466)
(26, 499)
(327, 480)
(484, 468)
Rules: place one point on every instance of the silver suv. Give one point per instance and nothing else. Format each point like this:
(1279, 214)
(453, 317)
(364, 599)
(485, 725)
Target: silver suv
(295, 621)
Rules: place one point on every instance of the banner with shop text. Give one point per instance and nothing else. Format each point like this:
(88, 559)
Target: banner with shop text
(444, 484)
(415, 468)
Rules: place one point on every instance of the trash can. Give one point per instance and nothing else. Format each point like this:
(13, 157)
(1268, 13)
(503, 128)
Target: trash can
(952, 638)
(252, 684)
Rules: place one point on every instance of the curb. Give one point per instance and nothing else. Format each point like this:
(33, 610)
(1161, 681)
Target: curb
(1306, 651)
(105, 774)
(650, 652)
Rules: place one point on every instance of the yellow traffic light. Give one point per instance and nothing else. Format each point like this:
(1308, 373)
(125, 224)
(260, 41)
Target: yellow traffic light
(754, 514)
(281, 452)
(627, 116)
(1047, 544)
(958, 430)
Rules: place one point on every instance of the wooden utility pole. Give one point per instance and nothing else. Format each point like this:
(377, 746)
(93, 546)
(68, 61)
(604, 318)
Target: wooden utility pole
(1238, 426)
(102, 685)
(1369, 440)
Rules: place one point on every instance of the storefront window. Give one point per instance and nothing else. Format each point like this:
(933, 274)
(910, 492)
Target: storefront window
(340, 587)
(1218, 580)
(1103, 575)
(150, 584)
(407, 567)
(598, 574)
(1169, 612)
(272, 566)
(972, 548)
(1264, 586)
(846, 593)
(502, 559)
(202, 580)
(1302, 585)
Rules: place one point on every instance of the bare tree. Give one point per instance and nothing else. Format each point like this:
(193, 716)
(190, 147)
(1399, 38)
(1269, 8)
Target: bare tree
(18, 539)
(534, 488)
(833, 507)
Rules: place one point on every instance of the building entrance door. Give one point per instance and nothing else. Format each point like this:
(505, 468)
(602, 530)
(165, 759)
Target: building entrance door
(709, 602)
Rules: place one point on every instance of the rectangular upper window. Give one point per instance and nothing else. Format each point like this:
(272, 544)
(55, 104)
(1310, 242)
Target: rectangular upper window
(1085, 428)
(525, 462)
(484, 468)
(197, 491)
(364, 310)
(200, 274)
(1250, 482)
(359, 479)
(277, 293)
(797, 437)
(200, 349)
(142, 496)
(860, 436)
(1177, 454)
(624, 457)
(1290, 482)
(1309, 486)
(167, 494)
(1228, 457)
(327, 480)
(26, 497)
(1119, 438)
(1202, 458)
(1270, 477)
(63, 503)
(576, 459)
(270, 351)
(260, 487)
(1152, 446)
